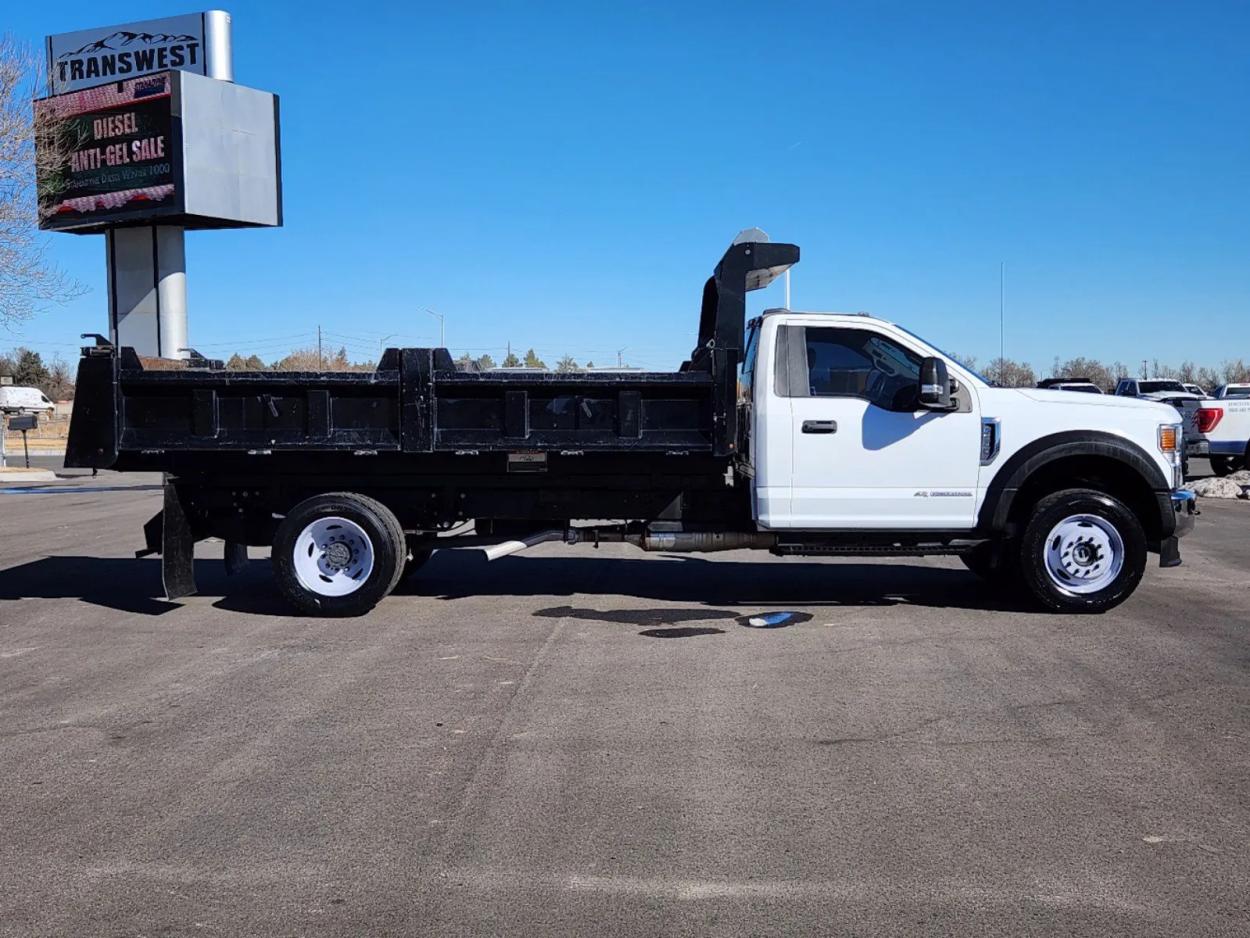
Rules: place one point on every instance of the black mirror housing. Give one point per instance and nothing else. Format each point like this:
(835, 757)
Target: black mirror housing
(935, 384)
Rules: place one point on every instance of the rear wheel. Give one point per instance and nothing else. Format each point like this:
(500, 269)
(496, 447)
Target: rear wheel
(338, 554)
(1082, 551)
(1226, 465)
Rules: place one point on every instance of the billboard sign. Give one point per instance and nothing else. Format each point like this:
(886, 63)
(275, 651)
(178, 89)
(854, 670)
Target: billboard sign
(194, 42)
(171, 148)
(114, 153)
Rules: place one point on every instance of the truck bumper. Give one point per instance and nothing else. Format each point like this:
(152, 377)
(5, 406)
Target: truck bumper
(1184, 509)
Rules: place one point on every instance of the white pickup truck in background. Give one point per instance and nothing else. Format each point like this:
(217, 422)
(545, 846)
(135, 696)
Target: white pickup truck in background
(1220, 430)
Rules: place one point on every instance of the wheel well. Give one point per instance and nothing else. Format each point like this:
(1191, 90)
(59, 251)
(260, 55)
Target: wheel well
(1101, 473)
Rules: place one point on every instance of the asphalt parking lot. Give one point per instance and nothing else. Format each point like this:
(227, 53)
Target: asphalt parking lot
(599, 743)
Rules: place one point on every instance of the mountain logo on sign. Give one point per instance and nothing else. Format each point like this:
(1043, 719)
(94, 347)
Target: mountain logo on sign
(126, 53)
(125, 37)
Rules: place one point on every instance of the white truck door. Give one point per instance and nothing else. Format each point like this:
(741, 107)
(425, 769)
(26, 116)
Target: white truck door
(865, 455)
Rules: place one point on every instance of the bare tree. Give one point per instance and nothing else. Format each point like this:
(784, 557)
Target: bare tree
(1011, 374)
(29, 281)
(1236, 372)
(1086, 369)
(307, 359)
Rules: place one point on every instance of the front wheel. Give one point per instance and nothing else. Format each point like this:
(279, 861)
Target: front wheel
(1226, 465)
(1082, 551)
(338, 554)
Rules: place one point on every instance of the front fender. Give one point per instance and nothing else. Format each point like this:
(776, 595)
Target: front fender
(1028, 460)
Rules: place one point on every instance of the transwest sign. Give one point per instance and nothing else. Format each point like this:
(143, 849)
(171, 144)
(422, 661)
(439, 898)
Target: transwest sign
(195, 42)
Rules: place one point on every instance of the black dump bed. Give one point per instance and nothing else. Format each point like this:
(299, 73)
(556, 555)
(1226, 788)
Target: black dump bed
(417, 401)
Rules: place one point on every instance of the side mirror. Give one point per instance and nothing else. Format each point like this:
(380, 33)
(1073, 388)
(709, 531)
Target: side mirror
(935, 385)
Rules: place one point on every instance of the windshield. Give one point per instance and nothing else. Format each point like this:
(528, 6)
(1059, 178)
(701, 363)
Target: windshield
(1242, 391)
(1153, 387)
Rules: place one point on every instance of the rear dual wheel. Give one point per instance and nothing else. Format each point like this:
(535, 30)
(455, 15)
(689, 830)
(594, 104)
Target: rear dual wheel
(338, 554)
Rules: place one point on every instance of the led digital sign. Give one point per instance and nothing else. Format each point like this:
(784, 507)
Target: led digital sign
(107, 153)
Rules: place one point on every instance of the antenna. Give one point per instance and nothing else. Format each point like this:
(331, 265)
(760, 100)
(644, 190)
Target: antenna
(1002, 306)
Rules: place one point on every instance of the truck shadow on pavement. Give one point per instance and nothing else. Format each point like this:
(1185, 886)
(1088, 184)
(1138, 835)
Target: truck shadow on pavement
(707, 583)
(113, 582)
(135, 585)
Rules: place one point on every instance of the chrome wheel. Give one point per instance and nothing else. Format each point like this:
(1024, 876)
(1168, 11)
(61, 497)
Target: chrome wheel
(1084, 554)
(333, 557)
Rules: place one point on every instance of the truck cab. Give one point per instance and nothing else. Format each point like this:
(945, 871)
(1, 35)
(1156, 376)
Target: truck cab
(845, 439)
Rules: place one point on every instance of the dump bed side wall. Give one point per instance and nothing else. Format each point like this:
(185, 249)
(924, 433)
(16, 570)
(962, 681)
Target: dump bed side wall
(128, 411)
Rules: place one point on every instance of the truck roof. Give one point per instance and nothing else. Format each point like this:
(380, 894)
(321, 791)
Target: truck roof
(832, 315)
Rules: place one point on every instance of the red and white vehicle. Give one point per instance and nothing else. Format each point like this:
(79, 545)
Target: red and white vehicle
(1220, 430)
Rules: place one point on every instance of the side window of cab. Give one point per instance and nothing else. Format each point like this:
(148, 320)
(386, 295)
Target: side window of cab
(864, 364)
(746, 380)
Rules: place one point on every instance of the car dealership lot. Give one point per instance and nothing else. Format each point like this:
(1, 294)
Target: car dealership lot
(572, 741)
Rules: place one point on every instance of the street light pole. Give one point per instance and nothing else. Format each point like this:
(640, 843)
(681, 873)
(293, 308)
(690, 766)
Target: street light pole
(442, 331)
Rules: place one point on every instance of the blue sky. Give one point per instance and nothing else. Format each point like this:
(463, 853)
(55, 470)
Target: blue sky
(566, 175)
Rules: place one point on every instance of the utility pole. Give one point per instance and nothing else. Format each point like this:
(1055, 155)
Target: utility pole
(442, 331)
(1145, 373)
(321, 364)
(619, 363)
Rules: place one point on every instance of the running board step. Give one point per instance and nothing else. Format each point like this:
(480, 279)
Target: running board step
(875, 550)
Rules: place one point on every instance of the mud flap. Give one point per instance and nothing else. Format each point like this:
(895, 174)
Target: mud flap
(1170, 552)
(235, 557)
(177, 547)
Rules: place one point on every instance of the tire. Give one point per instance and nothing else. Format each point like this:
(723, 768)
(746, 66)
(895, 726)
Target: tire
(993, 562)
(1226, 465)
(1082, 551)
(338, 554)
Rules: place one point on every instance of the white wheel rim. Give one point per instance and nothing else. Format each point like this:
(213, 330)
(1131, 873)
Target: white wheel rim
(333, 557)
(1084, 554)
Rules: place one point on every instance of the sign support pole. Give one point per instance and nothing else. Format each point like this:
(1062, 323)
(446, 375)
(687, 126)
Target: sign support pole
(147, 279)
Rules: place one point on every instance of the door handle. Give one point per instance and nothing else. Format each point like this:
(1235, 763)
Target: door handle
(820, 426)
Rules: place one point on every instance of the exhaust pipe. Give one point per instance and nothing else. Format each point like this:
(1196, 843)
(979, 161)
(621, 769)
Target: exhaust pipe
(705, 541)
(508, 548)
(674, 542)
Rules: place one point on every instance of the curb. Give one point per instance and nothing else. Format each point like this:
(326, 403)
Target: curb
(27, 475)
